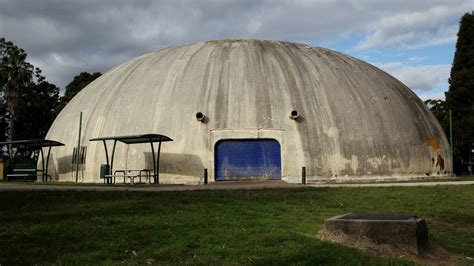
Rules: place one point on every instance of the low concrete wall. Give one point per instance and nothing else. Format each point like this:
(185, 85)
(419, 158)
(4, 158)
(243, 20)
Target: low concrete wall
(372, 179)
(405, 232)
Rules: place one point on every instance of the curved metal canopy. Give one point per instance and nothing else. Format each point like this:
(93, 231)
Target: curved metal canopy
(34, 143)
(136, 139)
(37, 144)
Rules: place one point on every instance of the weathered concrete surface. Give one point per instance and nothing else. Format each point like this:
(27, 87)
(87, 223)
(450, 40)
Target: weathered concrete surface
(406, 232)
(407, 184)
(356, 120)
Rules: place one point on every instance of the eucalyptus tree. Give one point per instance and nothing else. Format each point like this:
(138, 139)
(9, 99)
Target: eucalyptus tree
(16, 74)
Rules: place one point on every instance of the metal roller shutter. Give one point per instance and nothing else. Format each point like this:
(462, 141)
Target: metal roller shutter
(247, 159)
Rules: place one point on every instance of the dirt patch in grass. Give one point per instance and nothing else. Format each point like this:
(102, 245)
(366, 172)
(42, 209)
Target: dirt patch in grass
(436, 255)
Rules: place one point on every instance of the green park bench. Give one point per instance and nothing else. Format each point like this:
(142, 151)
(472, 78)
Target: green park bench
(24, 171)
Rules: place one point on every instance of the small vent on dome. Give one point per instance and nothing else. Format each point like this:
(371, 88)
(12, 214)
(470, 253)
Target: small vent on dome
(200, 117)
(294, 115)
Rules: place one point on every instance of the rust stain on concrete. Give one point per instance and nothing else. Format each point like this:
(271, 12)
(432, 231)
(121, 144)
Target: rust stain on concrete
(440, 162)
(434, 145)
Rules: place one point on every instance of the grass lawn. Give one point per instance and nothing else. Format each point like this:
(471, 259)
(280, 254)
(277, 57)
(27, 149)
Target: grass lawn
(272, 226)
(466, 177)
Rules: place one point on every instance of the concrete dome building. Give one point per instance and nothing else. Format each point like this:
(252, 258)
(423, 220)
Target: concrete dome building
(254, 109)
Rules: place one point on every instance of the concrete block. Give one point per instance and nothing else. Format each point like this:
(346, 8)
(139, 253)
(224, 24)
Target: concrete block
(408, 233)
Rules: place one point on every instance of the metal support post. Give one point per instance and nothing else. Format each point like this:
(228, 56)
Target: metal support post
(42, 164)
(78, 147)
(303, 175)
(158, 164)
(45, 170)
(154, 162)
(112, 158)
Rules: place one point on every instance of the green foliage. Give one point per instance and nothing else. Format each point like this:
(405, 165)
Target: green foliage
(16, 74)
(29, 102)
(233, 227)
(36, 114)
(3, 119)
(460, 97)
(441, 111)
(75, 86)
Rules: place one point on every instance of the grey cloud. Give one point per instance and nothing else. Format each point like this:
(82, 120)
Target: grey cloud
(66, 37)
(413, 29)
(420, 78)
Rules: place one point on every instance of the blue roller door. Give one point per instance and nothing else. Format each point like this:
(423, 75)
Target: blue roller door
(247, 159)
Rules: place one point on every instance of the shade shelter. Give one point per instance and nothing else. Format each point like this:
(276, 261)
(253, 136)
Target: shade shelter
(136, 139)
(36, 144)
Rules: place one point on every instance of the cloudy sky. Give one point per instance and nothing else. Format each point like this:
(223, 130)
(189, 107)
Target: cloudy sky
(412, 40)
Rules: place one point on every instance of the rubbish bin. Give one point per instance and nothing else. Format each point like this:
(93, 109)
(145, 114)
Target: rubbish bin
(104, 170)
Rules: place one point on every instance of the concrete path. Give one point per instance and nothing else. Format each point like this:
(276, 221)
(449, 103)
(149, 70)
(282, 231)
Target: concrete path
(146, 187)
(406, 184)
(212, 186)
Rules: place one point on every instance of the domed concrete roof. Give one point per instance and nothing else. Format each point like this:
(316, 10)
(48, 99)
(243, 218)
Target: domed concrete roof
(354, 119)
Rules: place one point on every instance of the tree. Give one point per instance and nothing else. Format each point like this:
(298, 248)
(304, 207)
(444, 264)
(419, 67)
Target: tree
(3, 121)
(460, 97)
(75, 86)
(36, 113)
(440, 109)
(27, 100)
(15, 75)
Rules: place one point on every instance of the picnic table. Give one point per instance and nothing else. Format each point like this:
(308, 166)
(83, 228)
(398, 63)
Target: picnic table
(134, 139)
(131, 174)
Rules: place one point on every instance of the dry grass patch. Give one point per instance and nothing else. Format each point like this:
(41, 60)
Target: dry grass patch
(436, 255)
